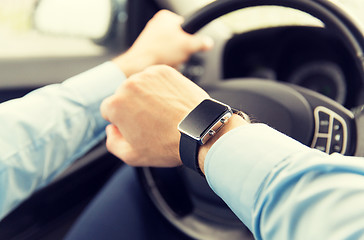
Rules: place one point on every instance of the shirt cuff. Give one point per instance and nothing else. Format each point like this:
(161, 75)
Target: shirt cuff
(238, 163)
(97, 83)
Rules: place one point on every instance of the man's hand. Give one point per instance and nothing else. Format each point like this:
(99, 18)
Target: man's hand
(162, 41)
(145, 112)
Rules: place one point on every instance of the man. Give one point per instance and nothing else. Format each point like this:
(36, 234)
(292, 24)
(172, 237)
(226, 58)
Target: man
(45, 131)
(278, 187)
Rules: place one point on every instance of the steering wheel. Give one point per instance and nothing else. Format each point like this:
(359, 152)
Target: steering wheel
(185, 198)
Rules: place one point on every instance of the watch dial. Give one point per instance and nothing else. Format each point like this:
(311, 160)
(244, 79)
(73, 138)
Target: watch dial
(202, 118)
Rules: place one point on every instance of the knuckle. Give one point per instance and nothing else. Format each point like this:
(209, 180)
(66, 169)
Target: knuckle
(163, 13)
(133, 84)
(158, 70)
(166, 15)
(111, 107)
(130, 82)
(113, 102)
(105, 108)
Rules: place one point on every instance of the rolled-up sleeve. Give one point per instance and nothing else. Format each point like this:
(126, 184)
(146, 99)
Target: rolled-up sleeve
(282, 189)
(46, 130)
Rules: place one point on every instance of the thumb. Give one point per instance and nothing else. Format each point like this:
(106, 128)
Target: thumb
(117, 145)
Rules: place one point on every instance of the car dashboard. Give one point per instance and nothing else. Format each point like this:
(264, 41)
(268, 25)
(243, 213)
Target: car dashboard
(311, 57)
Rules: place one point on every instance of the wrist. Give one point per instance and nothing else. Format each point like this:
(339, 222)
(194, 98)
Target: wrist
(234, 122)
(132, 62)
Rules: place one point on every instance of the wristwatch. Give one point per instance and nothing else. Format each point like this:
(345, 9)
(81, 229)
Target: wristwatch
(198, 127)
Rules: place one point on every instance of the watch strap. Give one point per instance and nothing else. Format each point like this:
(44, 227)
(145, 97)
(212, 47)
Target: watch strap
(189, 147)
(241, 114)
(189, 153)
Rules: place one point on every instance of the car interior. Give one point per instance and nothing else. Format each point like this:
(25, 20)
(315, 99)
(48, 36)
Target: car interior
(295, 65)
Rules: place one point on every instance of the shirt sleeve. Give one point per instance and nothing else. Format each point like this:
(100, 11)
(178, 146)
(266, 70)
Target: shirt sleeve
(282, 189)
(46, 130)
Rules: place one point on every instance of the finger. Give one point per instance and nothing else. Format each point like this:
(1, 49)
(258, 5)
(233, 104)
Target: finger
(201, 43)
(116, 143)
(104, 109)
(207, 43)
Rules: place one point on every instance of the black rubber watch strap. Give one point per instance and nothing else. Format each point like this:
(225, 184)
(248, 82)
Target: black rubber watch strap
(189, 154)
(189, 147)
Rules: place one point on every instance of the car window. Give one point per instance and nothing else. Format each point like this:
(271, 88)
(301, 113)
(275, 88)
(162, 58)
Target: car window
(18, 39)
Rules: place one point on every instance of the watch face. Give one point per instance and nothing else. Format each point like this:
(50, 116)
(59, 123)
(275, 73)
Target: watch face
(202, 118)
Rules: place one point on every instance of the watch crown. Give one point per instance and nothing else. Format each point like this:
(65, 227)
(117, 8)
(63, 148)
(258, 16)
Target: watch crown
(224, 120)
(212, 132)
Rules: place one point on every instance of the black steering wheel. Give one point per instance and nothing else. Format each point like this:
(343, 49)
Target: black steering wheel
(185, 198)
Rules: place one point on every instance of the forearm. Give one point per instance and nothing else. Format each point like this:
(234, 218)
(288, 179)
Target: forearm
(312, 197)
(280, 188)
(45, 131)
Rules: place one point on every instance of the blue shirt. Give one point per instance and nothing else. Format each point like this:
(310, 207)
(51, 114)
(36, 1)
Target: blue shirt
(284, 190)
(46, 130)
(278, 187)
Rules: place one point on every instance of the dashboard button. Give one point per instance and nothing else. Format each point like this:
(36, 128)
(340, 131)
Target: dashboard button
(331, 131)
(321, 144)
(336, 148)
(337, 126)
(324, 122)
(337, 138)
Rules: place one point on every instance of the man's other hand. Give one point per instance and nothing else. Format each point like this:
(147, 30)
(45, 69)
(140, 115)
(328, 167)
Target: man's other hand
(162, 41)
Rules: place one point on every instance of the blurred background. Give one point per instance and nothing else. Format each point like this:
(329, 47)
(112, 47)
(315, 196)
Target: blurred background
(46, 57)
(18, 38)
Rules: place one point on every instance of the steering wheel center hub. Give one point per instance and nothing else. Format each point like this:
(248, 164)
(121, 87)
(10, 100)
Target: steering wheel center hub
(275, 104)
